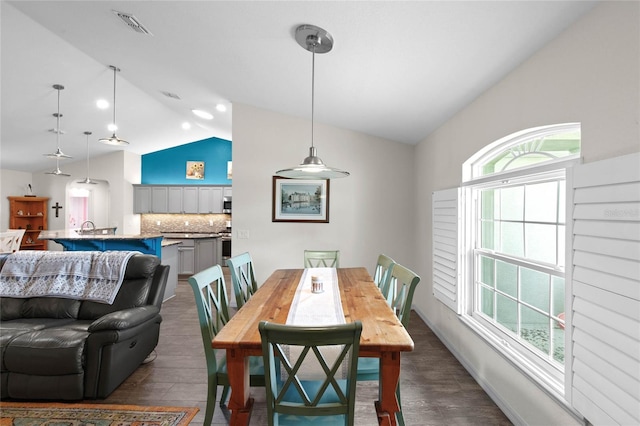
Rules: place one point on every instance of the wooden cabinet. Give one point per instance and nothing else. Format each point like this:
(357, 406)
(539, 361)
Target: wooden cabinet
(30, 214)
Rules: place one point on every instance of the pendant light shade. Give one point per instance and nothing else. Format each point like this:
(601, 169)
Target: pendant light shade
(57, 171)
(315, 40)
(113, 139)
(58, 154)
(87, 180)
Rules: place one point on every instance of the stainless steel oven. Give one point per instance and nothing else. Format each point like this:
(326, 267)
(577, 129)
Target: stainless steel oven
(224, 248)
(226, 205)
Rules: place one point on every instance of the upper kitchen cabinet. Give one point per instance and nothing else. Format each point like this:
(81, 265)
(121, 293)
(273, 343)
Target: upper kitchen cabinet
(178, 199)
(210, 199)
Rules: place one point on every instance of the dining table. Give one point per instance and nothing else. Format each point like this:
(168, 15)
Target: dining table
(383, 335)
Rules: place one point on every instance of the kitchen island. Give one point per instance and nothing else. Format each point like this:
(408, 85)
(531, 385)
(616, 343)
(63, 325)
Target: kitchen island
(73, 241)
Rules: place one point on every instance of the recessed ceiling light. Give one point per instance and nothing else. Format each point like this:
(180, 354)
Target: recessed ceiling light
(102, 104)
(186, 125)
(221, 107)
(202, 114)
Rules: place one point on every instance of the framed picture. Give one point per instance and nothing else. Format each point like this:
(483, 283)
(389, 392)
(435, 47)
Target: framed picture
(300, 200)
(195, 170)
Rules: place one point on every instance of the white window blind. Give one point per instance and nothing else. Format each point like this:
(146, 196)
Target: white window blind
(606, 290)
(446, 247)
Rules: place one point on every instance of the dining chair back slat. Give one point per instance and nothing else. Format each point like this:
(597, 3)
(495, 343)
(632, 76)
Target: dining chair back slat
(322, 258)
(382, 274)
(243, 278)
(210, 293)
(290, 396)
(10, 240)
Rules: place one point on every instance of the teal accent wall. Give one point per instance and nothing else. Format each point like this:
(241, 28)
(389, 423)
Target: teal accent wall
(169, 166)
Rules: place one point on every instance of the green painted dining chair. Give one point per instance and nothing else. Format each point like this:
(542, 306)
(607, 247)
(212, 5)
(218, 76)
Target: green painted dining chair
(401, 286)
(210, 294)
(382, 273)
(322, 258)
(243, 278)
(295, 398)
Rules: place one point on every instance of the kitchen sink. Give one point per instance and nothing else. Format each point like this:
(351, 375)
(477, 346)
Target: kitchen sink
(96, 231)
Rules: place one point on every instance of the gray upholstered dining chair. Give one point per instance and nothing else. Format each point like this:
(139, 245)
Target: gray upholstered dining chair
(322, 258)
(243, 277)
(327, 397)
(401, 287)
(210, 294)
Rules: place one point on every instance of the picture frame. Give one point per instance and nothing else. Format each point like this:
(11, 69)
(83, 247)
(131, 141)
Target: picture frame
(300, 200)
(195, 170)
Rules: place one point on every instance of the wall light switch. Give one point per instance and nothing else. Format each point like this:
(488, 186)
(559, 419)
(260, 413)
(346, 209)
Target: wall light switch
(158, 223)
(186, 223)
(211, 223)
(243, 234)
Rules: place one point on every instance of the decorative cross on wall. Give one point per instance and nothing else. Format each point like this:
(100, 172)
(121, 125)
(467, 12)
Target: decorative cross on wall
(56, 208)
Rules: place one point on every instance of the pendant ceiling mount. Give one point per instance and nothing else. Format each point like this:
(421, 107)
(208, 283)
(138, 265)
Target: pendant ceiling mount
(315, 40)
(114, 140)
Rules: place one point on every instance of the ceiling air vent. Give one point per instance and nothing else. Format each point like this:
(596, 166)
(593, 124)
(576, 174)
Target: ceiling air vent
(132, 22)
(170, 95)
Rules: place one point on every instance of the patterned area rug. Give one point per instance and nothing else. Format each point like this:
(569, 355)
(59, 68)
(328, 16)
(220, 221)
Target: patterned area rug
(60, 414)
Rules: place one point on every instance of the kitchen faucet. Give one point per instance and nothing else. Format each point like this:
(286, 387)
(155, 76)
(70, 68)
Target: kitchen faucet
(88, 222)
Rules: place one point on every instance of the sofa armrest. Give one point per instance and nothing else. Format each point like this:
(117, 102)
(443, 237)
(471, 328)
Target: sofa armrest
(124, 319)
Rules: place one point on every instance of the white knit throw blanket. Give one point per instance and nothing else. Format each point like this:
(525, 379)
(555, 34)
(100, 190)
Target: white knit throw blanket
(82, 275)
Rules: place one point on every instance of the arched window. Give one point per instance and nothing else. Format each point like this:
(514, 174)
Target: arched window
(515, 218)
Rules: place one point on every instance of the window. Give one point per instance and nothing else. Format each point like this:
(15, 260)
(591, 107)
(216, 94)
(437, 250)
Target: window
(514, 205)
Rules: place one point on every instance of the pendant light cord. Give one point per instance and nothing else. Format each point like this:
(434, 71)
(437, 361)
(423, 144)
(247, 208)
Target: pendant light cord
(115, 70)
(313, 81)
(58, 123)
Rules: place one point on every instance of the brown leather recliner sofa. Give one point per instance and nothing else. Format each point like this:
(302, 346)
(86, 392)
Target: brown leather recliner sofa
(65, 349)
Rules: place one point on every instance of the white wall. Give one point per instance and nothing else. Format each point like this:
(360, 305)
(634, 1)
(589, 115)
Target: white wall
(371, 211)
(121, 169)
(590, 74)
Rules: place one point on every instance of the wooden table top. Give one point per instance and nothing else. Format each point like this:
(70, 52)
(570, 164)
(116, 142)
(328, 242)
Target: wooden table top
(361, 300)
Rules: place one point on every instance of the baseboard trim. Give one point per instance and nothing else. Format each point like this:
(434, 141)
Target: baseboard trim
(506, 408)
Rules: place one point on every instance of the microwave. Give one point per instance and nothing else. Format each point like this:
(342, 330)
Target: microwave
(226, 205)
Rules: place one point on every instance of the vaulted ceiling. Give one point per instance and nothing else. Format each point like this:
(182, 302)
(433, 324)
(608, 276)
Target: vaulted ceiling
(398, 70)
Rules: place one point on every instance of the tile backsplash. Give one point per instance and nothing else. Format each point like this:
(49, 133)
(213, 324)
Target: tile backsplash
(191, 223)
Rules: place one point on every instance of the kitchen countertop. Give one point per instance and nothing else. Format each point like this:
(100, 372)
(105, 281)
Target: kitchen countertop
(187, 235)
(73, 235)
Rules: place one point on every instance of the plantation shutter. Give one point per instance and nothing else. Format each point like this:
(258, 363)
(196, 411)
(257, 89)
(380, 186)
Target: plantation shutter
(606, 290)
(446, 247)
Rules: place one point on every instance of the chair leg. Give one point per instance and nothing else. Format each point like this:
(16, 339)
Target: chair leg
(225, 394)
(399, 416)
(211, 401)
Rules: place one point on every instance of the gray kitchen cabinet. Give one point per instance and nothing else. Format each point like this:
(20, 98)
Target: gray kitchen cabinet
(141, 199)
(210, 199)
(170, 257)
(174, 199)
(227, 191)
(205, 253)
(186, 257)
(190, 199)
(159, 199)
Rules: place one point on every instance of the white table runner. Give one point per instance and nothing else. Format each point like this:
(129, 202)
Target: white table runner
(314, 309)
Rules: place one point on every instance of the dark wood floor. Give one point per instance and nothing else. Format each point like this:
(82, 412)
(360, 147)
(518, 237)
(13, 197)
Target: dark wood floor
(436, 389)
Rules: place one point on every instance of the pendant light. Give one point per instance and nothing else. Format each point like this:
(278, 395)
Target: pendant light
(315, 40)
(58, 154)
(87, 180)
(57, 170)
(114, 140)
